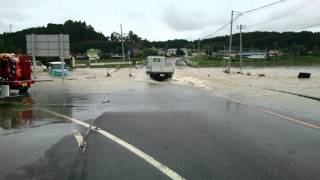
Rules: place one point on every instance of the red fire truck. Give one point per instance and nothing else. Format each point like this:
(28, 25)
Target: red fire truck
(15, 71)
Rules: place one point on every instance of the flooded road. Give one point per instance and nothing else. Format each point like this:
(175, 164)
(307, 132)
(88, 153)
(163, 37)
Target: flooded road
(193, 133)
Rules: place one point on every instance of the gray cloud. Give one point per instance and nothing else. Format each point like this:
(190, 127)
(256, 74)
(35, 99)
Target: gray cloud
(188, 19)
(154, 19)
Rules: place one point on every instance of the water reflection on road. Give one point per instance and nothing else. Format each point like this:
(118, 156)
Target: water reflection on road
(16, 119)
(20, 113)
(26, 133)
(16, 113)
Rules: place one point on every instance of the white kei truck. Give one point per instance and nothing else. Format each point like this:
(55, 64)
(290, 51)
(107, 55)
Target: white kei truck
(160, 67)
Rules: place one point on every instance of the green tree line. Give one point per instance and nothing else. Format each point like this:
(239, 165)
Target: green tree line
(84, 36)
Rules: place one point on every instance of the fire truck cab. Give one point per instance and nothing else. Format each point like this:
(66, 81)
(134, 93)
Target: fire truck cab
(15, 71)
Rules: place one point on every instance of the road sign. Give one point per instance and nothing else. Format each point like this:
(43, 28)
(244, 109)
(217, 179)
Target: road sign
(48, 45)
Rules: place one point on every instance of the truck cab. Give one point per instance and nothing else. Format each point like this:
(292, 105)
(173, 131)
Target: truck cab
(15, 71)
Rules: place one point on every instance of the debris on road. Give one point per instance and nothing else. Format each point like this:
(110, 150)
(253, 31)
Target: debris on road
(104, 102)
(303, 75)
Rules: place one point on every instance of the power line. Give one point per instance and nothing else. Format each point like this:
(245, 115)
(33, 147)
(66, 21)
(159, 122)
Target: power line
(287, 12)
(310, 26)
(221, 28)
(243, 13)
(265, 6)
(231, 23)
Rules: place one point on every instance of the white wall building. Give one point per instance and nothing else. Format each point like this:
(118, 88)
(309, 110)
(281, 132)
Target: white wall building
(172, 52)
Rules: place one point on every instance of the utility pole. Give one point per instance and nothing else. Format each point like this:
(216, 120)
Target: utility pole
(241, 27)
(129, 54)
(122, 41)
(198, 53)
(62, 54)
(10, 28)
(275, 52)
(230, 43)
(33, 58)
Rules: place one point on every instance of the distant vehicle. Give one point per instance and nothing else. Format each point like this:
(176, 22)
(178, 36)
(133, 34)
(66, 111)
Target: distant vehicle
(159, 67)
(15, 71)
(39, 67)
(93, 54)
(116, 56)
(257, 57)
(55, 69)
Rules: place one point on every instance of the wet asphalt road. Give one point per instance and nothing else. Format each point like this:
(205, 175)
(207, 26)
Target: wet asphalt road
(197, 135)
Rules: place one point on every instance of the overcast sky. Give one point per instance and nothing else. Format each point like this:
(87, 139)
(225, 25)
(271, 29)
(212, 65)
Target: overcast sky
(162, 19)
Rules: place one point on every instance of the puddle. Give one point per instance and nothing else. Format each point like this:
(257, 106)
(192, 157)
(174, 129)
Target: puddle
(19, 114)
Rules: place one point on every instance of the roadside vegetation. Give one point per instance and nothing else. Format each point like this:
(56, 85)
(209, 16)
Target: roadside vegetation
(83, 36)
(205, 61)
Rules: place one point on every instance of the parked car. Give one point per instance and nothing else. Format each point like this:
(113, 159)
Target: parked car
(39, 67)
(55, 69)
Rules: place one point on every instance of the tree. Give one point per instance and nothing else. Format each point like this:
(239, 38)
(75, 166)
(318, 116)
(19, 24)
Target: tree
(133, 37)
(147, 52)
(83, 36)
(115, 37)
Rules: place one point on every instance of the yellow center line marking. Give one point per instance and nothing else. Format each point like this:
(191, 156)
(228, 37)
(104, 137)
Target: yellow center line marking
(288, 118)
(161, 167)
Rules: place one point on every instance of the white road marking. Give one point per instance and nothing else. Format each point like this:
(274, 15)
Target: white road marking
(78, 138)
(158, 165)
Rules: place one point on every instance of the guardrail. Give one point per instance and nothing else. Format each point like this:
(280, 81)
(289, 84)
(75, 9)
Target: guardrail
(116, 64)
(112, 63)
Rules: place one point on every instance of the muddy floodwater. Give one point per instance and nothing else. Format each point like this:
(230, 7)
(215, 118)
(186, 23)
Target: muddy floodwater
(186, 123)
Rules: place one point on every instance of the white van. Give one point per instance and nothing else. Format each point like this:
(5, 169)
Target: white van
(39, 67)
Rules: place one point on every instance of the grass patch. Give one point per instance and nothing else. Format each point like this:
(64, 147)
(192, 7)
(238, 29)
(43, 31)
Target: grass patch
(272, 62)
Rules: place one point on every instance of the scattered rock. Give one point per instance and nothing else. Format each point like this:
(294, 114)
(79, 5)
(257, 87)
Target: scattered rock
(261, 75)
(93, 77)
(69, 79)
(226, 71)
(104, 102)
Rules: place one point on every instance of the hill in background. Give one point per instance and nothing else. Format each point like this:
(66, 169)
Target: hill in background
(83, 37)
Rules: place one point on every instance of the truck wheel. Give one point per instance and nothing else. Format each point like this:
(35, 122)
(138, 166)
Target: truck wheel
(23, 90)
